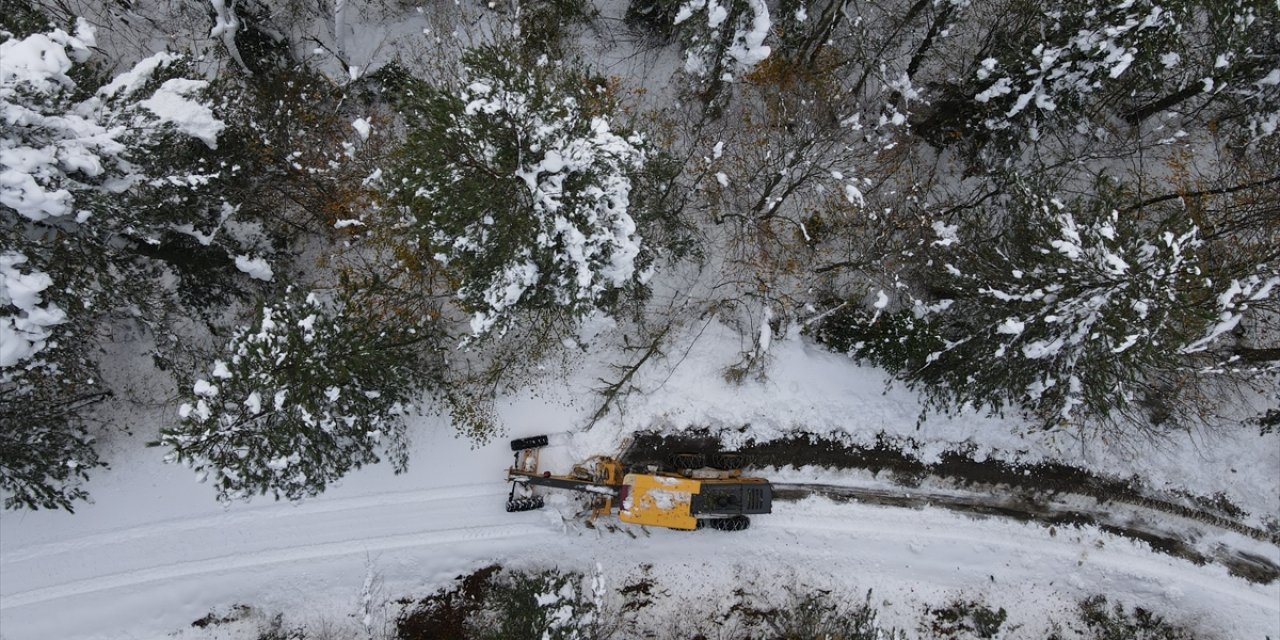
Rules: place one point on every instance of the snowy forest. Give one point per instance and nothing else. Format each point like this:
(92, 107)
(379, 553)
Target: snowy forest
(303, 222)
(325, 256)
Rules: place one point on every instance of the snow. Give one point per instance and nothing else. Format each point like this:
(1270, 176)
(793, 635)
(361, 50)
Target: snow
(1128, 342)
(748, 48)
(204, 388)
(948, 234)
(667, 500)
(854, 195)
(172, 104)
(765, 339)
(509, 287)
(25, 331)
(1043, 348)
(127, 83)
(716, 13)
(1011, 326)
(226, 25)
(589, 228)
(57, 142)
(1000, 87)
(1121, 64)
(745, 48)
(253, 403)
(257, 268)
(1252, 288)
(155, 552)
(362, 127)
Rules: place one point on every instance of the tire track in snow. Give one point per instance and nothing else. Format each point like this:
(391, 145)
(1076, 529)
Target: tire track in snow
(246, 516)
(892, 527)
(241, 561)
(272, 529)
(891, 531)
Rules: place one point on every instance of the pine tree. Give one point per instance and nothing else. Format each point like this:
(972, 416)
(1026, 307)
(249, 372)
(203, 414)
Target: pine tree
(724, 39)
(1132, 59)
(518, 183)
(305, 393)
(1068, 309)
(45, 449)
(91, 176)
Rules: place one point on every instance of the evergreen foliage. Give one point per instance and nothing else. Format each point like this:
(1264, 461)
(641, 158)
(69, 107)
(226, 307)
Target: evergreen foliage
(1044, 65)
(46, 450)
(546, 604)
(495, 604)
(545, 25)
(94, 172)
(518, 182)
(723, 40)
(1070, 310)
(307, 392)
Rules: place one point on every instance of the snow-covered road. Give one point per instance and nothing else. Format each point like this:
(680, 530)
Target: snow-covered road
(154, 552)
(156, 576)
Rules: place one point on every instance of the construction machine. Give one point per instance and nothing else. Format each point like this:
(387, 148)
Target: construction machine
(691, 491)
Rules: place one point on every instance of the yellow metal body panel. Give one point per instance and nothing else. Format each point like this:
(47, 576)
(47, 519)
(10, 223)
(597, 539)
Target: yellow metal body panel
(659, 501)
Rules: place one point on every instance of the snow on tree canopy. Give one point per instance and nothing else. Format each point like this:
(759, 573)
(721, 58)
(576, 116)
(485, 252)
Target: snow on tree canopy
(337, 385)
(1073, 302)
(51, 148)
(1070, 311)
(78, 202)
(1145, 56)
(521, 184)
(1083, 48)
(25, 331)
(711, 54)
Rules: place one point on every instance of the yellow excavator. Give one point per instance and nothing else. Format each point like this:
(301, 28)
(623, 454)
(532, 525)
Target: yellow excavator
(692, 491)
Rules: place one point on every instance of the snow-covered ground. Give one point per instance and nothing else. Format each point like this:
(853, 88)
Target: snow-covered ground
(154, 552)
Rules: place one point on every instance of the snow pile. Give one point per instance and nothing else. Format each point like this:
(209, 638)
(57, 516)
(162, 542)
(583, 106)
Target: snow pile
(257, 268)
(362, 127)
(53, 149)
(40, 145)
(172, 104)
